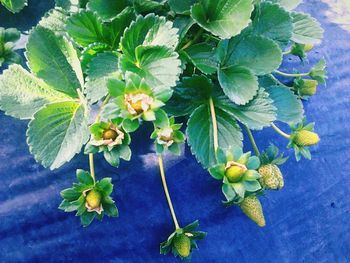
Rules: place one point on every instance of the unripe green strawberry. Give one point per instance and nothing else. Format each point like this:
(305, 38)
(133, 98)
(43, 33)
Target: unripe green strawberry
(306, 138)
(309, 87)
(93, 199)
(182, 244)
(234, 173)
(271, 177)
(251, 206)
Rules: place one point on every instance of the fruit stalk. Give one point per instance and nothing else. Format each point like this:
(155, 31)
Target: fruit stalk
(166, 191)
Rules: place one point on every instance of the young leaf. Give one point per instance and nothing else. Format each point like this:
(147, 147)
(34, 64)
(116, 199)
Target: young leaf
(142, 6)
(57, 133)
(272, 21)
(54, 60)
(257, 114)
(85, 28)
(22, 94)
(200, 134)
(150, 30)
(101, 68)
(14, 6)
(223, 18)
(107, 9)
(159, 66)
(307, 30)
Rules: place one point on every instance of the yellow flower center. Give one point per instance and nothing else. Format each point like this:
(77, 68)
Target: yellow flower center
(110, 134)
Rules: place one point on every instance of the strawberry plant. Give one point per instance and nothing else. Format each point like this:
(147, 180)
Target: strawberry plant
(98, 70)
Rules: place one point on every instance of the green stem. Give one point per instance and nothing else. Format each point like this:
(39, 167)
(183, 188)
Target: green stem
(278, 130)
(166, 191)
(252, 140)
(91, 155)
(92, 167)
(291, 75)
(194, 40)
(215, 124)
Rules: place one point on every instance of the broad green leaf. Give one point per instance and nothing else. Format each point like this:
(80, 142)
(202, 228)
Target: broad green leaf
(287, 4)
(22, 94)
(54, 60)
(101, 68)
(14, 5)
(272, 21)
(159, 66)
(144, 6)
(184, 24)
(113, 31)
(203, 57)
(200, 134)
(307, 30)
(90, 52)
(58, 132)
(223, 18)
(55, 20)
(149, 31)
(181, 6)
(238, 83)
(107, 9)
(190, 93)
(257, 114)
(85, 28)
(289, 108)
(260, 54)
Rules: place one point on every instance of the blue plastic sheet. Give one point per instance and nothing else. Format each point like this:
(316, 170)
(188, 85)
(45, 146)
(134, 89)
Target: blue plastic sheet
(308, 221)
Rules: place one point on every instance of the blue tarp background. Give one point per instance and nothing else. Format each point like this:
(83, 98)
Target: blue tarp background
(309, 221)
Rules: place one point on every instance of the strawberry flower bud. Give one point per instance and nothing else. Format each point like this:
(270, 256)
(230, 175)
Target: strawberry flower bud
(235, 171)
(93, 201)
(306, 87)
(182, 244)
(138, 103)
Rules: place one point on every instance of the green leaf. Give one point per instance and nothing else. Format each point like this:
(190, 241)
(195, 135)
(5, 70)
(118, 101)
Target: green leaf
(190, 93)
(112, 157)
(85, 28)
(55, 20)
(223, 18)
(319, 72)
(203, 57)
(113, 31)
(107, 9)
(90, 52)
(181, 6)
(84, 177)
(14, 5)
(70, 194)
(289, 108)
(184, 24)
(238, 83)
(111, 210)
(58, 132)
(22, 94)
(86, 218)
(11, 35)
(228, 192)
(105, 185)
(257, 114)
(143, 6)
(150, 30)
(273, 22)
(54, 60)
(307, 30)
(159, 66)
(200, 134)
(287, 4)
(259, 54)
(101, 68)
